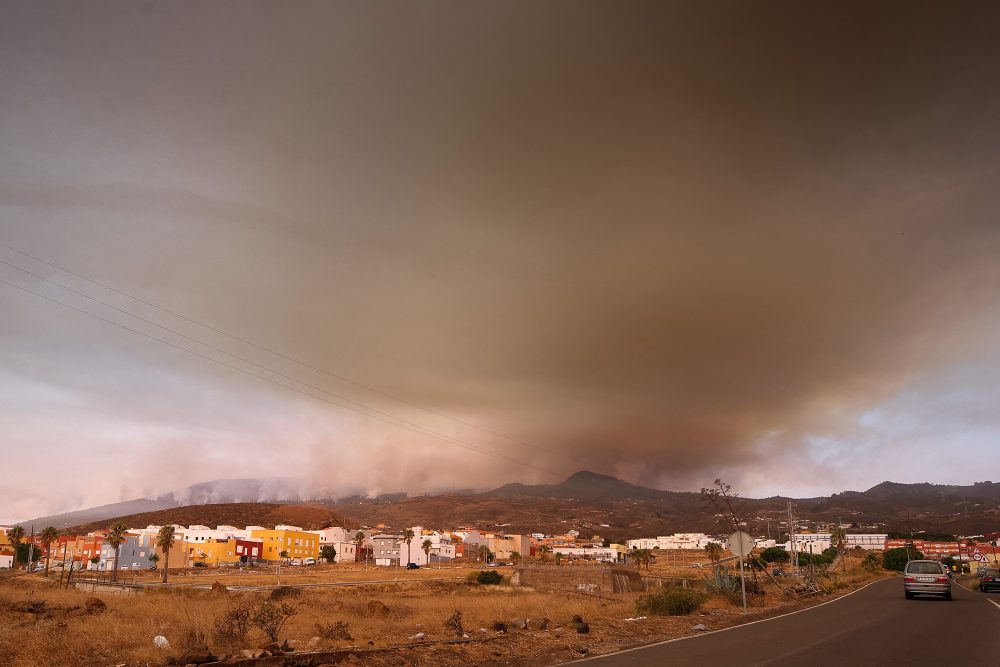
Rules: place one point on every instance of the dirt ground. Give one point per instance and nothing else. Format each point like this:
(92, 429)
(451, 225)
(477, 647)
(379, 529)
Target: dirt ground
(388, 623)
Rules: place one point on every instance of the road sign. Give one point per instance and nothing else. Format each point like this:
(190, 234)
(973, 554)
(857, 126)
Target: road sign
(741, 544)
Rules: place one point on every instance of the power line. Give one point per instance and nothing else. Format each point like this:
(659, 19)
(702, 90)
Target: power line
(395, 421)
(281, 355)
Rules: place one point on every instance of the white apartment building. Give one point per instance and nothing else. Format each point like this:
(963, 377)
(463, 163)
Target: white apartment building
(606, 554)
(675, 541)
(819, 542)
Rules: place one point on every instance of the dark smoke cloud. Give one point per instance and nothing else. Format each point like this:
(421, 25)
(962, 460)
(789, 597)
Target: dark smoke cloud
(665, 242)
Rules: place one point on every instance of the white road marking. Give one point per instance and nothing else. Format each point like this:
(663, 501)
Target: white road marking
(734, 627)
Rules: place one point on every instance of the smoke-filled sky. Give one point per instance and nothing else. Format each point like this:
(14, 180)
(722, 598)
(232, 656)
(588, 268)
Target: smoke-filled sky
(664, 241)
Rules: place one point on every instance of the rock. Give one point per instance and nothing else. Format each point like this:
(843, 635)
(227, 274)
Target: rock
(499, 626)
(700, 628)
(219, 588)
(483, 630)
(396, 660)
(272, 648)
(314, 641)
(198, 655)
(286, 647)
(520, 624)
(419, 636)
(582, 650)
(159, 641)
(95, 605)
(539, 624)
(582, 628)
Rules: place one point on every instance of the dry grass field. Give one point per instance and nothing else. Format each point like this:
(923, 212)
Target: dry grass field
(42, 624)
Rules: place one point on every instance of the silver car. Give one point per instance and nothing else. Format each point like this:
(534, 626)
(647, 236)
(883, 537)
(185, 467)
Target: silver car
(926, 577)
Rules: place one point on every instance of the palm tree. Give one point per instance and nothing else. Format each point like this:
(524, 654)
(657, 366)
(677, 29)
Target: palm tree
(15, 535)
(543, 552)
(164, 541)
(359, 540)
(49, 535)
(116, 537)
(408, 537)
(838, 538)
(426, 546)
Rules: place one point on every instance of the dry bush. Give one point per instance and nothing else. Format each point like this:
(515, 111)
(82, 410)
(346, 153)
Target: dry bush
(336, 631)
(270, 618)
(454, 623)
(234, 625)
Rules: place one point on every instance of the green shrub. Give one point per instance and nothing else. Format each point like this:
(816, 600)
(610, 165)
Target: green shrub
(489, 577)
(895, 559)
(672, 601)
(724, 584)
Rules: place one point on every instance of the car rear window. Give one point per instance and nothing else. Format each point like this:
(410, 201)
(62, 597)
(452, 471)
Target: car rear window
(923, 568)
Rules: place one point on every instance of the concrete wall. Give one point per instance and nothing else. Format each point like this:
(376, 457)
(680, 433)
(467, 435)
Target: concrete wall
(592, 579)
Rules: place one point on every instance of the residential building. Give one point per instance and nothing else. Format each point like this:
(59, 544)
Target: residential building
(290, 540)
(386, 549)
(248, 550)
(504, 546)
(606, 554)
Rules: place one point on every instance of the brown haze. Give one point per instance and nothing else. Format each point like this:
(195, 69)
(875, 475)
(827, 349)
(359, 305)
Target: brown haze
(665, 242)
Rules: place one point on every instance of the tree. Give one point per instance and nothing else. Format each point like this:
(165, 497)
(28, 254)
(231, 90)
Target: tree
(116, 537)
(164, 541)
(408, 537)
(714, 551)
(775, 555)
(15, 535)
(283, 554)
(359, 540)
(515, 557)
(895, 559)
(154, 558)
(270, 617)
(559, 558)
(838, 541)
(726, 504)
(328, 553)
(49, 535)
(641, 556)
(426, 546)
(485, 554)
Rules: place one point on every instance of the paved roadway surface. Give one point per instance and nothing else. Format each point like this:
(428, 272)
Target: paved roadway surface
(874, 626)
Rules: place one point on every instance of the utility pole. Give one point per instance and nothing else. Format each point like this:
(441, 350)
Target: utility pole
(791, 541)
(31, 550)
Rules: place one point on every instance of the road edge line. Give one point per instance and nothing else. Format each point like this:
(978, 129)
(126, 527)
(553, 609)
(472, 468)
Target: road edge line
(733, 627)
(991, 601)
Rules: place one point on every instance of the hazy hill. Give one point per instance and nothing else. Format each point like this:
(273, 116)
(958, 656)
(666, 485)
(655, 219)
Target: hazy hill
(586, 501)
(309, 516)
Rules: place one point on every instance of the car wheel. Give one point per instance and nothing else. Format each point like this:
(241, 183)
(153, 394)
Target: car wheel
(909, 596)
(947, 596)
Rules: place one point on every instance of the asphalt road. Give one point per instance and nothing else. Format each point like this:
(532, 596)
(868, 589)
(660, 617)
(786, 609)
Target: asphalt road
(873, 626)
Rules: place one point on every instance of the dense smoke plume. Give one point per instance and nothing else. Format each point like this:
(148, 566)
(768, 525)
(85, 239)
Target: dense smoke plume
(664, 242)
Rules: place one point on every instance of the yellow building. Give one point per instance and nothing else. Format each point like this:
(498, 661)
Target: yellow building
(293, 541)
(211, 552)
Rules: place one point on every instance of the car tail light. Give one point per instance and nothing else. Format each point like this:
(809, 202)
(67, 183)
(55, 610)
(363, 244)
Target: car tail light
(942, 580)
(909, 580)
(987, 578)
